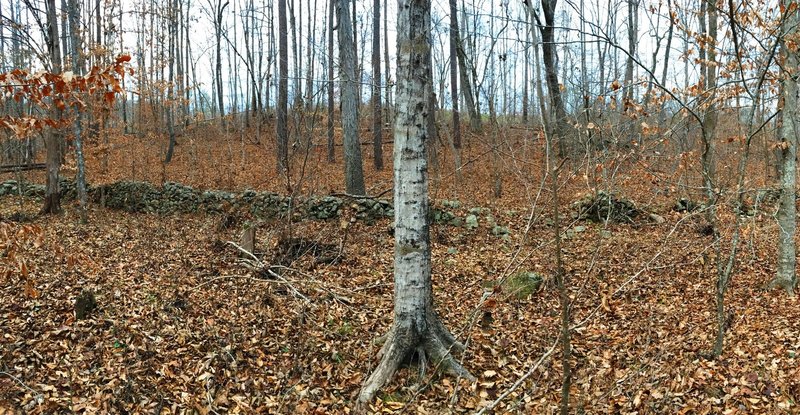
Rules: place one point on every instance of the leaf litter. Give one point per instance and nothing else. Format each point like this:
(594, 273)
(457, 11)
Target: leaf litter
(182, 327)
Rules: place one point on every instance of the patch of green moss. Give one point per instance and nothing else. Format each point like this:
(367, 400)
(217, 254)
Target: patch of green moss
(523, 284)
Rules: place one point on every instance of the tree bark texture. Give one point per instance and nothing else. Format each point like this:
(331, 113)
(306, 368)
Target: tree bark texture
(77, 128)
(463, 66)
(559, 114)
(417, 327)
(331, 103)
(633, 29)
(377, 116)
(454, 74)
(218, 68)
(52, 201)
(353, 168)
(283, 90)
(786, 276)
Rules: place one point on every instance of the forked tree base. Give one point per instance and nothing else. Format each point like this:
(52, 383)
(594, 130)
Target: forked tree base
(52, 205)
(434, 344)
(786, 284)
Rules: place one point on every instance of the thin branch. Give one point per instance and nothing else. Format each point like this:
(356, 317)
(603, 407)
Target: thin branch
(224, 277)
(37, 396)
(257, 262)
(521, 380)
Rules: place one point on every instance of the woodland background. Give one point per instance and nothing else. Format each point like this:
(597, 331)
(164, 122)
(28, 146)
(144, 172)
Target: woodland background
(648, 146)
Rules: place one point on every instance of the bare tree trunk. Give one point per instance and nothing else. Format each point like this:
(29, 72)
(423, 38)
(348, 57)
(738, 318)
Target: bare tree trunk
(417, 327)
(233, 68)
(559, 114)
(3, 53)
(250, 29)
(525, 71)
(454, 40)
(190, 66)
(709, 167)
(331, 103)
(353, 169)
(387, 64)
(786, 277)
(170, 82)
(669, 45)
(377, 116)
(218, 68)
(561, 280)
(65, 39)
(497, 187)
(667, 51)
(584, 77)
(52, 201)
(537, 71)
(270, 57)
(77, 67)
(432, 141)
(283, 91)
(311, 55)
(358, 67)
(297, 90)
(454, 74)
(466, 87)
(633, 29)
(702, 46)
(179, 62)
(98, 25)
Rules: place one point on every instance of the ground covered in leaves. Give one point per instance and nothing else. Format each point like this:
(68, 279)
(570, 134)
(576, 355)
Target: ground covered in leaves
(181, 325)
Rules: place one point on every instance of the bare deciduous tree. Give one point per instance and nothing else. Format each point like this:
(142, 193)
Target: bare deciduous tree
(786, 276)
(558, 112)
(353, 169)
(283, 90)
(377, 116)
(331, 103)
(417, 327)
(53, 139)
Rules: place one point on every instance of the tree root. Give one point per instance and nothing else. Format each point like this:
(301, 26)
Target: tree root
(52, 205)
(436, 345)
(787, 285)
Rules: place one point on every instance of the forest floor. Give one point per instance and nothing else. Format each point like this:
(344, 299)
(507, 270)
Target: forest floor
(181, 326)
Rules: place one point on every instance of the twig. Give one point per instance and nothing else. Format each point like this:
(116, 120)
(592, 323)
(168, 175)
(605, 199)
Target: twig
(351, 196)
(160, 406)
(243, 277)
(522, 379)
(272, 273)
(370, 286)
(37, 396)
(246, 252)
(288, 284)
(321, 287)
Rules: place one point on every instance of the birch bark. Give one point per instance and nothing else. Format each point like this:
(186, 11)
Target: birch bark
(417, 328)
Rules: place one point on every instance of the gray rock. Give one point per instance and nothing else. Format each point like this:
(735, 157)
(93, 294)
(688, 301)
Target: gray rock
(471, 222)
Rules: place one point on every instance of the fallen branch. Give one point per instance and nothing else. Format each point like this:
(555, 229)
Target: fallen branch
(321, 287)
(357, 197)
(256, 263)
(7, 168)
(37, 396)
(230, 277)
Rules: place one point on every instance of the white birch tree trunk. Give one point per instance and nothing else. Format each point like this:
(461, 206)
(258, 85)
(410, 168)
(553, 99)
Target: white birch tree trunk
(417, 328)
